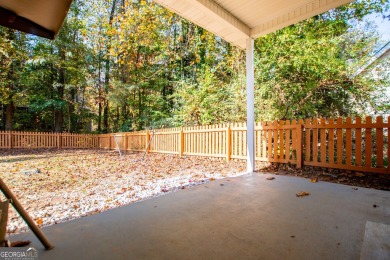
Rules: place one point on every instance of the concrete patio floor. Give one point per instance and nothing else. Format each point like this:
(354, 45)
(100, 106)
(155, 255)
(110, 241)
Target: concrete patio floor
(246, 217)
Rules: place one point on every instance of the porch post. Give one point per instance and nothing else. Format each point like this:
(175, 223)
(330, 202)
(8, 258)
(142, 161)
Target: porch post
(250, 104)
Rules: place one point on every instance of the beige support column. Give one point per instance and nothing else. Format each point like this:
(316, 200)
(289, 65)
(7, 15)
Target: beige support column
(250, 104)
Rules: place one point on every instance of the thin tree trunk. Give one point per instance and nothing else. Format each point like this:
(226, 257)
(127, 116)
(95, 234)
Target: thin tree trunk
(3, 116)
(107, 73)
(58, 112)
(10, 107)
(9, 115)
(71, 110)
(100, 98)
(100, 116)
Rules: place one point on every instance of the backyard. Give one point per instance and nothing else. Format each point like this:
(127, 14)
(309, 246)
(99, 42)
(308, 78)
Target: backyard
(57, 185)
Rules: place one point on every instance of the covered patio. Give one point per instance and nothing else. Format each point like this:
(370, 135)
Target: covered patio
(247, 217)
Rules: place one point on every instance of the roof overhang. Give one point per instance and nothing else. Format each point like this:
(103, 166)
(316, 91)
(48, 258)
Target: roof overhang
(235, 21)
(232, 20)
(40, 17)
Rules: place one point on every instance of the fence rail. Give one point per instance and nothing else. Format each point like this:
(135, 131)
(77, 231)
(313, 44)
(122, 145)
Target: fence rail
(359, 145)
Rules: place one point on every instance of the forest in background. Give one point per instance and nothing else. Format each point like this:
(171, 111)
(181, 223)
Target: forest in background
(121, 65)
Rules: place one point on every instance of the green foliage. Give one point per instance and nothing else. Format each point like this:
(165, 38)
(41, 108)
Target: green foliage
(302, 71)
(131, 65)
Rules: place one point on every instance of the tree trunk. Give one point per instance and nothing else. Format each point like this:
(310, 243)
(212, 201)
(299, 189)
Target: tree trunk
(9, 116)
(10, 106)
(105, 118)
(58, 112)
(100, 117)
(107, 73)
(3, 116)
(59, 121)
(140, 125)
(71, 110)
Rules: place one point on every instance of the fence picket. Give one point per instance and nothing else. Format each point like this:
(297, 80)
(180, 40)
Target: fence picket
(275, 140)
(288, 130)
(322, 141)
(269, 141)
(368, 143)
(348, 143)
(358, 143)
(299, 143)
(264, 141)
(339, 150)
(308, 134)
(331, 142)
(379, 143)
(315, 140)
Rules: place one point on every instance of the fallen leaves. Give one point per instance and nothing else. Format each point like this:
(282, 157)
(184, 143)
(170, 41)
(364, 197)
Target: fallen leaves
(302, 194)
(353, 178)
(270, 178)
(39, 221)
(20, 243)
(75, 183)
(314, 180)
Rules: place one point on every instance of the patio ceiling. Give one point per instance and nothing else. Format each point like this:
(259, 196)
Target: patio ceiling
(236, 21)
(232, 20)
(40, 17)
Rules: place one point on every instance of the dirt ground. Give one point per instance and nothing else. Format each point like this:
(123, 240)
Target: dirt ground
(60, 185)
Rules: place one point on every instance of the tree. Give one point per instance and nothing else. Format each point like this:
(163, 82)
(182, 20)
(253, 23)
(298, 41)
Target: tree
(304, 70)
(12, 56)
(130, 65)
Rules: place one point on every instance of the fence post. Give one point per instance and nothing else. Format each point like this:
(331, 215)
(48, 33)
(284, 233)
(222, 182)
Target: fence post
(228, 143)
(379, 142)
(147, 136)
(182, 144)
(59, 140)
(299, 143)
(125, 140)
(10, 139)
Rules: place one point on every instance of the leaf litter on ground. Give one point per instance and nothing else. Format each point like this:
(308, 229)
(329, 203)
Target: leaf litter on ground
(302, 194)
(74, 183)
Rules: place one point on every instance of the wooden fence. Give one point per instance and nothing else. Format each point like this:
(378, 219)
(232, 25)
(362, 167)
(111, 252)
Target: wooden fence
(341, 144)
(225, 141)
(47, 140)
(359, 145)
